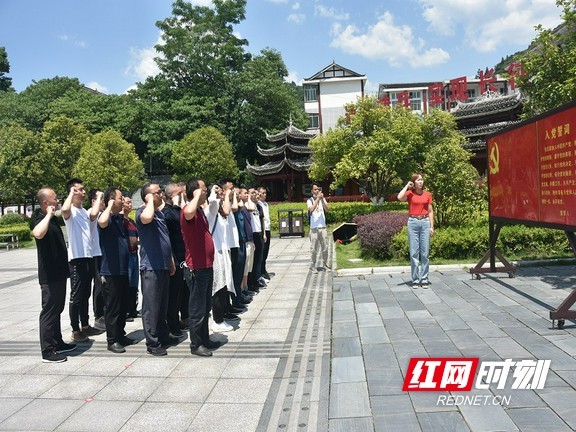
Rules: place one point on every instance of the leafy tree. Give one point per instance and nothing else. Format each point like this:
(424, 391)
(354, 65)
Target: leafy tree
(21, 169)
(62, 140)
(108, 160)
(550, 65)
(268, 103)
(5, 82)
(453, 182)
(36, 100)
(200, 50)
(379, 146)
(204, 153)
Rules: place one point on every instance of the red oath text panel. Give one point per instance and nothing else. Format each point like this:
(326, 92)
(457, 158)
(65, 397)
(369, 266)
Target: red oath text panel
(532, 171)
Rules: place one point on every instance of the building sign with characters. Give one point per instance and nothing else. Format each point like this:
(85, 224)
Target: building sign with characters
(532, 170)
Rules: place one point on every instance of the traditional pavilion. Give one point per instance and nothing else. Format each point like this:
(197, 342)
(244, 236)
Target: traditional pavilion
(285, 175)
(487, 114)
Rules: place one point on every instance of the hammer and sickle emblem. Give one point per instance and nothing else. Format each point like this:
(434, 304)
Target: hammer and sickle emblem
(494, 159)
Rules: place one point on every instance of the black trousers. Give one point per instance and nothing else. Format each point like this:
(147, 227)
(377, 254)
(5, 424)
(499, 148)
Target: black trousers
(98, 300)
(200, 287)
(117, 295)
(155, 286)
(220, 303)
(265, 253)
(257, 265)
(53, 300)
(238, 257)
(176, 286)
(80, 281)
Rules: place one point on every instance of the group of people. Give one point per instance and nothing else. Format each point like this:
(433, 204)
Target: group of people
(199, 252)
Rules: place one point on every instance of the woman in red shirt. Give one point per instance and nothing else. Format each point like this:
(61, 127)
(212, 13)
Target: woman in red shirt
(420, 228)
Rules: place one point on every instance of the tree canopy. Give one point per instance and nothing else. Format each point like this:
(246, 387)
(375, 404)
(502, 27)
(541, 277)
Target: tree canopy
(5, 81)
(377, 146)
(108, 160)
(204, 153)
(550, 65)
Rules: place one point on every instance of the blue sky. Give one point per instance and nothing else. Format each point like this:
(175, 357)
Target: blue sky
(109, 44)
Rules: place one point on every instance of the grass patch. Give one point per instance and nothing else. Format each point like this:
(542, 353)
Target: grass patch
(351, 251)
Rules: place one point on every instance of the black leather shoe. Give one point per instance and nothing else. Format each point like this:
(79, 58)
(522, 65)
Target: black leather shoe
(171, 341)
(237, 310)
(116, 348)
(126, 341)
(201, 351)
(157, 351)
(213, 344)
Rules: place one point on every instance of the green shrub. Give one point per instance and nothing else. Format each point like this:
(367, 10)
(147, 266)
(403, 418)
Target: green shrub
(12, 219)
(22, 230)
(339, 212)
(472, 242)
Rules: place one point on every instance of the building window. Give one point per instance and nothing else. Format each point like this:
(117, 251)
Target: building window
(416, 100)
(310, 93)
(313, 121)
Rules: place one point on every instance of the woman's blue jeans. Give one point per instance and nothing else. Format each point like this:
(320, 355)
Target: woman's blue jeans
(419, 243)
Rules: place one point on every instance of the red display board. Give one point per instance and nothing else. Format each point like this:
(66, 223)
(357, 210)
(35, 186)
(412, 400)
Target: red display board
(532, 170)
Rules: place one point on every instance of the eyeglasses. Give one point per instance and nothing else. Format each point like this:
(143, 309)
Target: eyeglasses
(159, 193)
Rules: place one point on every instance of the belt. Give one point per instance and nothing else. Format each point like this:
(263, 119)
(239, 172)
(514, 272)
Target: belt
(419, 217)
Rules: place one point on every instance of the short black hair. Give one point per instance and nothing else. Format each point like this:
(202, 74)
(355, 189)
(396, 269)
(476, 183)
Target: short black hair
(110, 193)
(72, 182)
(191, 186)
(316, 184)
(144, 191)
(92, 194)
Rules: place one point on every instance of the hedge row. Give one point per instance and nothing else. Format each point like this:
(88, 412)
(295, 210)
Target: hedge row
(22, 230)
(384, 235)
(340, 212)
(472, 242)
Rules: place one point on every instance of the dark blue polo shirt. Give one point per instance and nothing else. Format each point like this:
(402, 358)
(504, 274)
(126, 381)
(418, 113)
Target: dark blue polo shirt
(114, 246)
(155, 249)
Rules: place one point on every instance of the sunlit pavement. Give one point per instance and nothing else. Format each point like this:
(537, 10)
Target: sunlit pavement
(313, 352)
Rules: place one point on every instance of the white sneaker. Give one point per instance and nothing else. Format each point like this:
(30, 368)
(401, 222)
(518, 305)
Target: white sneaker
(222, 327)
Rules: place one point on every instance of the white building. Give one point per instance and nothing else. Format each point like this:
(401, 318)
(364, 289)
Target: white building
(326, 93)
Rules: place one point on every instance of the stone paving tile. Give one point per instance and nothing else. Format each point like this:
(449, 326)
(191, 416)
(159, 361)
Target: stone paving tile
(393, 423)
(9, 406)
(152, 366)
(346, 347)
(345, 329)
(361, 424)
(129, 388)
(369, 320)
(41, 414)
(28, 386)
(537, 420)
(183, 390)
(231, 390)
(105, 366)
(89, 418)
(348, 369)
(255, 368)
(374, 335)
(442, 422)
(162, 417)
(487, 417)
(562, 401)
(349, 400)
(77, 387)
(231, 417)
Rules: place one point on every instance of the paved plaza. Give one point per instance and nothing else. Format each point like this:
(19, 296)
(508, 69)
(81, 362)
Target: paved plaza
(314, 352)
